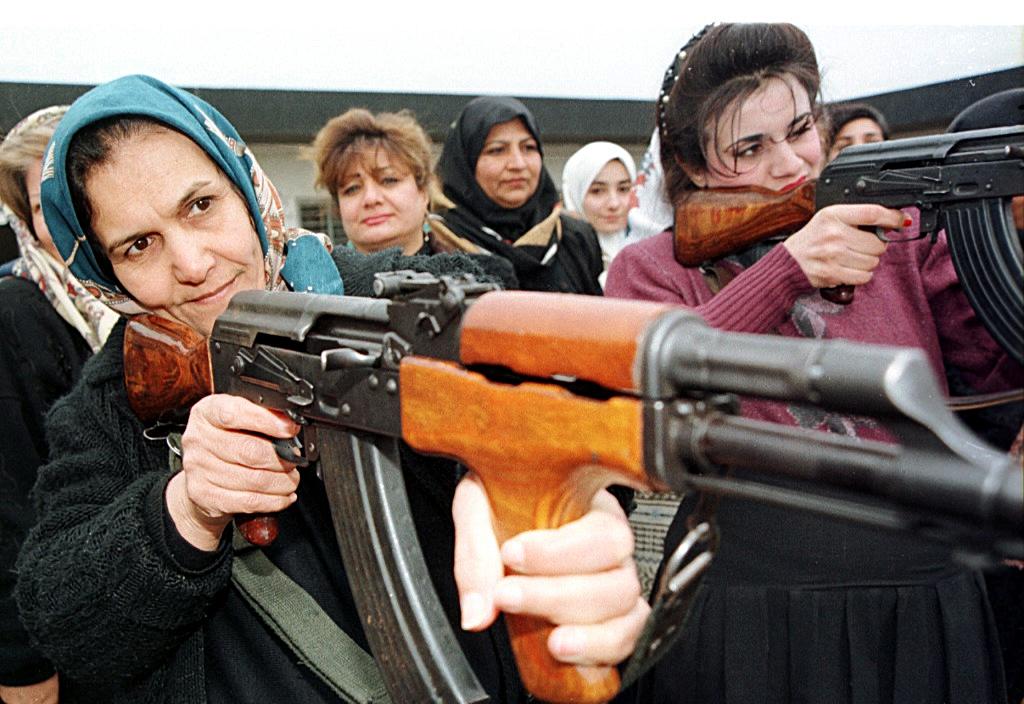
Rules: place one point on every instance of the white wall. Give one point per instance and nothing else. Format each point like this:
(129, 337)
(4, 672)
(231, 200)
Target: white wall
(527, 48)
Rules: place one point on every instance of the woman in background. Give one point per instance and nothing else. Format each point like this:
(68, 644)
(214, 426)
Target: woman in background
(854, 123)
(377, 170)
(597, 185)
(49, 326)
(505, 202)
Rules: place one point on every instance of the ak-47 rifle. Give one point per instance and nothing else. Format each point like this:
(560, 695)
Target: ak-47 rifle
(549, 397)
(961, 182)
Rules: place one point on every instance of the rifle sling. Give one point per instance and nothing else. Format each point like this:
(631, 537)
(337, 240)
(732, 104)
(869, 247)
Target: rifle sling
(302, 625)
(970, 403)
(716, 276)
(295, 617)
(678, 587)
(681, 579)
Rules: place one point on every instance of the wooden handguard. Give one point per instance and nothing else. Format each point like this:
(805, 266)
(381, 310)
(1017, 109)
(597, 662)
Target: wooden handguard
(541, 451)
(716, 221)
(531, 334)
(166, 369)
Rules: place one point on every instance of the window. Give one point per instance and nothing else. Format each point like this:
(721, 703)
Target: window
(322, 216)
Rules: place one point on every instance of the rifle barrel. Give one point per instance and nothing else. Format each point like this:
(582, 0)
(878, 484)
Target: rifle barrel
(936, 483)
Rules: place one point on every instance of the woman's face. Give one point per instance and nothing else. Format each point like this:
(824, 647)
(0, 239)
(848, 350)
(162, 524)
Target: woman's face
(863, 130)
(32, 174)
(607, 202)
(768, 140)
(177, 233)
(381, 206)
(508, 169)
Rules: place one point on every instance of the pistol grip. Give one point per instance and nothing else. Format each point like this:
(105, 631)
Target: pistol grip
(549, 680)
(260, 529)
(843, 293)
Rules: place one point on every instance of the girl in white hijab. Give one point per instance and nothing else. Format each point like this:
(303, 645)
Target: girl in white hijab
(597, 185)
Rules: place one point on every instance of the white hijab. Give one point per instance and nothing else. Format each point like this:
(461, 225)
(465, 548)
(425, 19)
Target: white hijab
(583, 167)
(580, 171)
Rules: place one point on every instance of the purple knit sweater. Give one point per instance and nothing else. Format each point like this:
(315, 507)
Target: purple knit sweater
(914, 299)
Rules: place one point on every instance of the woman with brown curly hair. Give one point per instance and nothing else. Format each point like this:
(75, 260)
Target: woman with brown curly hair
(377, 169)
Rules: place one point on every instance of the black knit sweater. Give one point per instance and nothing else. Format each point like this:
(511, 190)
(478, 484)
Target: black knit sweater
(110, 597)
(41, 357)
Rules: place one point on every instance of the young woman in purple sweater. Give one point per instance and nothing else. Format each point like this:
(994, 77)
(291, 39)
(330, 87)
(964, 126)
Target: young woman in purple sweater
(798, 607)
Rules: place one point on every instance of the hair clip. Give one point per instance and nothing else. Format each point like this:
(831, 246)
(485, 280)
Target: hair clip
(672, 75)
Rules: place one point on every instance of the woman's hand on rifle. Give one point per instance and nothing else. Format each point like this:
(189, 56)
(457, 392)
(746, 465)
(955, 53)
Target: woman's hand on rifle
(229, 466)
(45, 692)
(832, 249)
(580, 577)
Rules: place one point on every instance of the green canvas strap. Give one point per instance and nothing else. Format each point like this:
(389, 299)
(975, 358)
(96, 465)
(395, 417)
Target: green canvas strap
(312, 636)
(295, 617)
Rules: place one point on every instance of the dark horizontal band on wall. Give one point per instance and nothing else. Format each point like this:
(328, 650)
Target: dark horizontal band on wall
(291, 116)
(932, 107)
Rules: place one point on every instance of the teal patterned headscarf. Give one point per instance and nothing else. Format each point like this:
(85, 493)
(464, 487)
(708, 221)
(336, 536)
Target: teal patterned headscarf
(293, 258)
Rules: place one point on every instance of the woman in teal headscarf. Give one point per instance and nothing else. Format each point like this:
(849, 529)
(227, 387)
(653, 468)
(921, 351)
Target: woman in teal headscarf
(157, 205)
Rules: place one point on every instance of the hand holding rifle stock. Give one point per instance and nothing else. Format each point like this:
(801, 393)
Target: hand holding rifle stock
(963, 182)
(548, 398)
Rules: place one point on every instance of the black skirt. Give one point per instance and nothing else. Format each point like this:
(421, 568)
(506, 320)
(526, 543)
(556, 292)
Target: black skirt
(800, 608)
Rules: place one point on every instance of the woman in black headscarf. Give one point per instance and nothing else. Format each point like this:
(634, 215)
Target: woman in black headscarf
(505, 202)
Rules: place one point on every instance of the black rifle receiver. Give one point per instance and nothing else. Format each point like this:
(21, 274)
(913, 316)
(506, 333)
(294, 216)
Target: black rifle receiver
(963, 183)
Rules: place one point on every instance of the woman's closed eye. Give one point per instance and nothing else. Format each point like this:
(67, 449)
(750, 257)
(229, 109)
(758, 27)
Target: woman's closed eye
(801, 128)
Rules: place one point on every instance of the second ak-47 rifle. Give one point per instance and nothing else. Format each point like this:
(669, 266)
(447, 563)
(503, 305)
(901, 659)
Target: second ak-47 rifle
(549, 397)
(961, 182)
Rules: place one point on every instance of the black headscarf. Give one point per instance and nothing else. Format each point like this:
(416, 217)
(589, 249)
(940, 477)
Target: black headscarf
(457, 168)
(1002, 109)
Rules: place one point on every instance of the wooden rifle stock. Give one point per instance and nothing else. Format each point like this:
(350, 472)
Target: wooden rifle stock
(714, 222)
(166, 370)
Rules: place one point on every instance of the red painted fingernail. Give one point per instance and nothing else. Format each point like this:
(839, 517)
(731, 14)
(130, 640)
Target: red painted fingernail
(908, 221)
